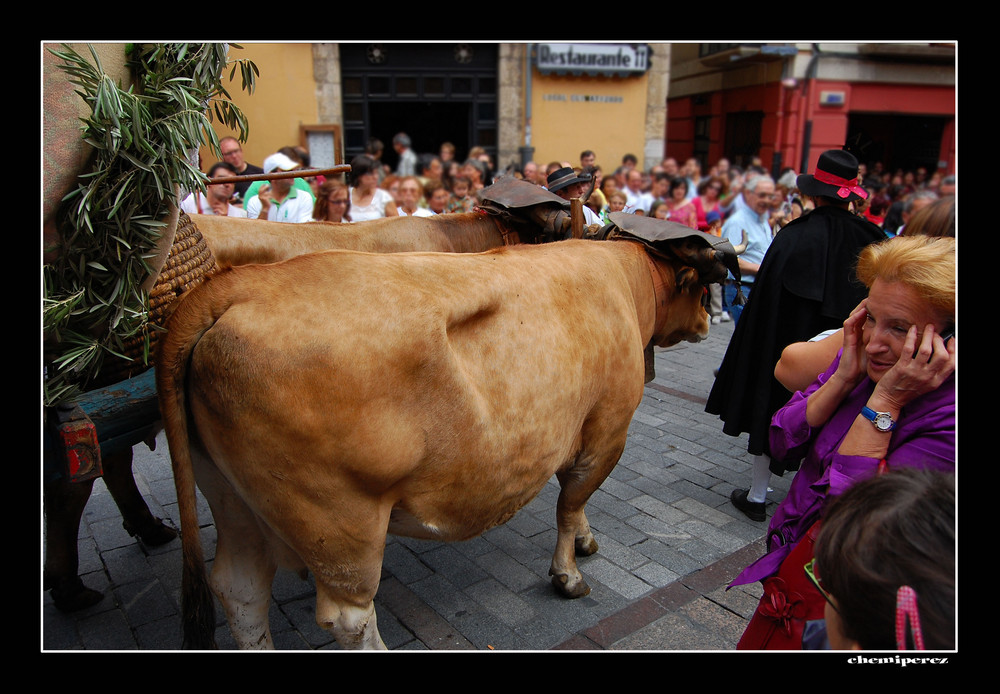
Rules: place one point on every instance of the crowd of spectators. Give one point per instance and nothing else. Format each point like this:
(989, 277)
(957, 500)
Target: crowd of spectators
(682, 192)
(700, 195)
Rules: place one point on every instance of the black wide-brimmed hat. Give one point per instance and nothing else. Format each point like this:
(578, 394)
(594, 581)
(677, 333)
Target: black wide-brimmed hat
(836, 177)
(559, 179)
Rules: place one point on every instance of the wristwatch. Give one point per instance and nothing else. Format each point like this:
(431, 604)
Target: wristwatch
(883, 421)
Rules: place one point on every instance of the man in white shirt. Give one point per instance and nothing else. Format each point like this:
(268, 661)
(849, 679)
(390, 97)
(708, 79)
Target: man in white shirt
(638, 201)
(659, 188)
(279, 201)
(752, 218)
(692, 172)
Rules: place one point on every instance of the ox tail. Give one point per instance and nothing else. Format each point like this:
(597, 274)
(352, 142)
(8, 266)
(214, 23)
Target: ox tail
(193, 316)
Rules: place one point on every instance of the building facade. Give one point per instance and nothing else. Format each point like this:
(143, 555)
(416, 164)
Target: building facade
(893, 103)
(519, 101)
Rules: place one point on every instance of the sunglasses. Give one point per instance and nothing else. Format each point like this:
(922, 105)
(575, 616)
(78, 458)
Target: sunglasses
(810, 570)
(907, 617)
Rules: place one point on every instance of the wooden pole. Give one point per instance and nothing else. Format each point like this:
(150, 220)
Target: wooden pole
(297, 173)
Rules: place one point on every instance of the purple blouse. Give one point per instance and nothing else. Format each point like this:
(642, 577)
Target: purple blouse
(924, 437)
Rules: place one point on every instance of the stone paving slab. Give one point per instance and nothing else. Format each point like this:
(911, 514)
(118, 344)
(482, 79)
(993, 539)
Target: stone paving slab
(669, 542)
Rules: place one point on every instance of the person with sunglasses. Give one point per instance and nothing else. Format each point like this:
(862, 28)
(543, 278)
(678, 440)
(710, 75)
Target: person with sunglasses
(333, 202)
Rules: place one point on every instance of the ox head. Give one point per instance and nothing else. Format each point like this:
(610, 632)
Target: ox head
(681, 272)
(711, 256)
(683, 263)
(535, 213)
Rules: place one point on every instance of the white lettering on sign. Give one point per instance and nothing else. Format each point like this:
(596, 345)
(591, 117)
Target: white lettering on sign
(612, 57)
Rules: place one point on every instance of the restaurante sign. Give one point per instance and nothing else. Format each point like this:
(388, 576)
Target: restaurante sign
(592, 57)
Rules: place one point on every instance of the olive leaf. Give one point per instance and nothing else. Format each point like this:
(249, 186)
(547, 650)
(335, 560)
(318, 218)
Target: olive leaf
(142, 136)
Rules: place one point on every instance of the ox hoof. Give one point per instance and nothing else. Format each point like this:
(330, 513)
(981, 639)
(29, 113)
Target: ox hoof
(576, 590)
(585, 546)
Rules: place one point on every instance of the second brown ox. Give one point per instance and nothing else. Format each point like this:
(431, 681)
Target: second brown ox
(510, 211)
(328, 400)
(235, 241)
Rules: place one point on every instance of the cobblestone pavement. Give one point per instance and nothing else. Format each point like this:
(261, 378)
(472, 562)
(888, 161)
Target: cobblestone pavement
(669, 542)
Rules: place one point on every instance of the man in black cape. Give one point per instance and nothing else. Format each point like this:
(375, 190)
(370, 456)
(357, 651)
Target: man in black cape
(806, 285)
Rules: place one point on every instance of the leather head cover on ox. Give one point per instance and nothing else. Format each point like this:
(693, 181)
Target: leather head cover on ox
(664, 236)
(710, 256)
(522, 203)
(325, 401)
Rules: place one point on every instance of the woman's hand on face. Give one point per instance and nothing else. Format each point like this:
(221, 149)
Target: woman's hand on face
(920, 369)
(853, 364)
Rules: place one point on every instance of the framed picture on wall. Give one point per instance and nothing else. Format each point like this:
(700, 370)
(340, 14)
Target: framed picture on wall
(324, 143)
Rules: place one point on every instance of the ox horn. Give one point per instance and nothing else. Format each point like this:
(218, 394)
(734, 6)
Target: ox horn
(742, 247)
(727, 261)
(712, 265)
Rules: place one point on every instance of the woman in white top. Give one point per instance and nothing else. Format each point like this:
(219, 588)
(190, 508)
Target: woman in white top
(333, 202)
(368, 201)
(218, 195)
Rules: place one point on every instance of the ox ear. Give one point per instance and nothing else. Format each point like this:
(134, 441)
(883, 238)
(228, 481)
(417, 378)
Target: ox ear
(686, 278)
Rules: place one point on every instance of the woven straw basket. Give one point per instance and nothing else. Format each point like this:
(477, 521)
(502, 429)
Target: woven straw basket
(190, 261)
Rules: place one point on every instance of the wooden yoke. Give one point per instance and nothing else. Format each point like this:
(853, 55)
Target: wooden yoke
(297, 173)
(576, 217)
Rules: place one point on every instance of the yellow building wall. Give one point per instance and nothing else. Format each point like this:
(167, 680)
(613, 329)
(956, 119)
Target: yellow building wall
(569, 113)
(603, 114)
(284, 99)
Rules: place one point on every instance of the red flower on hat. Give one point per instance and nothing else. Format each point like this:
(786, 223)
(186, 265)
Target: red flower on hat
(846, 187)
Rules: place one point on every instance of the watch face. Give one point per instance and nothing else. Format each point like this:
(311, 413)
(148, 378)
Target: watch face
(881, 420)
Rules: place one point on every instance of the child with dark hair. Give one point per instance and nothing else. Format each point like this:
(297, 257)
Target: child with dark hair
(461, 199)
(885, 561)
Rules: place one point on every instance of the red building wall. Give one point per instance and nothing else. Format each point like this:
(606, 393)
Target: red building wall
(790, 113)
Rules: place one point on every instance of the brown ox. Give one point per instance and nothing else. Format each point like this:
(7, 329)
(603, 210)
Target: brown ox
(236, 241)
(511, 211)
(517, 211)
(328, 400)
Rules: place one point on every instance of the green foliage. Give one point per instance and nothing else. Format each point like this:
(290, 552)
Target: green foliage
(143, 137)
